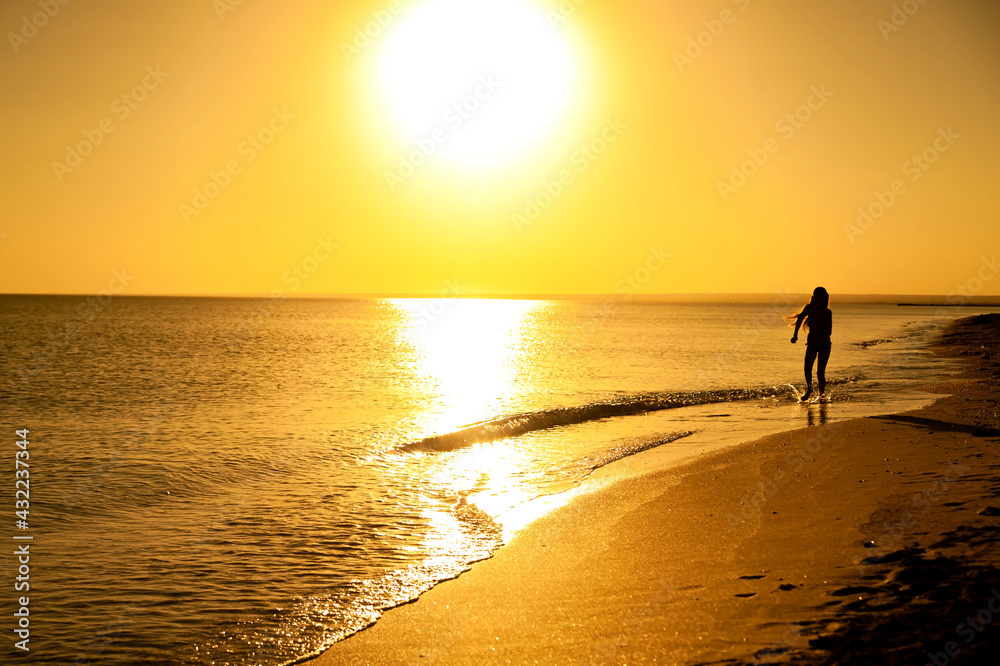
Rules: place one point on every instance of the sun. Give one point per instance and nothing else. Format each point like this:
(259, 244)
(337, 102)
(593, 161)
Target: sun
(477, 83)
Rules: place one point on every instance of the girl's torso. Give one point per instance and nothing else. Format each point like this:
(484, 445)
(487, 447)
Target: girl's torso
(820, 326)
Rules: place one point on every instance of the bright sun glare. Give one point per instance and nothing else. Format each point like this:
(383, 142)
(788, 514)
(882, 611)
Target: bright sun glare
(476, 82)
(466, 353)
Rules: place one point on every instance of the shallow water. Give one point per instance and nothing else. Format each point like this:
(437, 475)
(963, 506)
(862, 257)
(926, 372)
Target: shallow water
(233, 481)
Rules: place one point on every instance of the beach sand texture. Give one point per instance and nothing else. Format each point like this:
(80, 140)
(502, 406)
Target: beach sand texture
(865, 541)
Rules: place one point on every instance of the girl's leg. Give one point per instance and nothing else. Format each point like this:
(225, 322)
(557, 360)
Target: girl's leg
(808, 368)
(824, 356)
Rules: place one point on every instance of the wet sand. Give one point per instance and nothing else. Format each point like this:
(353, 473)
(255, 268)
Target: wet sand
(873, 540)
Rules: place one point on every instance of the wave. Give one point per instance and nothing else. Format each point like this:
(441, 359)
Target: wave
(518, 424)
(865, 344)
(630, 447)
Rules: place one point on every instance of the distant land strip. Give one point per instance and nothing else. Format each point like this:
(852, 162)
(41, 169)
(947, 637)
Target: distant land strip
(949, 305)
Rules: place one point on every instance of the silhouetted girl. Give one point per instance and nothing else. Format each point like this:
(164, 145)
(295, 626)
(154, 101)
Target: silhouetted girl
(818, 320)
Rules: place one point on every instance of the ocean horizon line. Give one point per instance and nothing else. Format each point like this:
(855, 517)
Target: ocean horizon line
(925, 300)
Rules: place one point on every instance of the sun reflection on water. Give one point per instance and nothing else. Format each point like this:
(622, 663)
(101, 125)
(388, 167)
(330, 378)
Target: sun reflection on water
(467, 353)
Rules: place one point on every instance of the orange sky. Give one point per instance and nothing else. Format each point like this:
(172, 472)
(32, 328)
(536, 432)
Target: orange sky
(305, 207)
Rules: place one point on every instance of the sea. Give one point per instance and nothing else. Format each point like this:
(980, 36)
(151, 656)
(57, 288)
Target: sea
(248, 481)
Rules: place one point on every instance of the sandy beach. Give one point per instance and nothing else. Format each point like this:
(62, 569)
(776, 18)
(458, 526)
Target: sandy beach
(475, 332)
(862, 541)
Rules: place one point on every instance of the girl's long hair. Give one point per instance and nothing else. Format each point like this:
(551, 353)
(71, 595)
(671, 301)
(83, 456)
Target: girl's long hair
(820, 301)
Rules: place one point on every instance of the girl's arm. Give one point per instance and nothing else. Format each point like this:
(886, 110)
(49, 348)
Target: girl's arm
(798, 323)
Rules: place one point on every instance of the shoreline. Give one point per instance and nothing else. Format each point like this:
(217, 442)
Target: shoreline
(799, 546)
